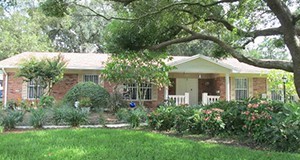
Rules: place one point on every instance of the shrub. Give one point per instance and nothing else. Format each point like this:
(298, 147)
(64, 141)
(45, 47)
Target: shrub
(97, 94)
(59, 114)
(256, 117)
(162, 118)
(123, 114)
(132, 116)
(136, 116)
(116, 101)
(11, 118)
(284, 131)
(209, 121)
(75, 117)
(46, 101)
(85, 102)
(38, 118)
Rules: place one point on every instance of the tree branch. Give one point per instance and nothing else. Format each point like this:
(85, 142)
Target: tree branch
(271, 64)
(296, 18)
(155, 12)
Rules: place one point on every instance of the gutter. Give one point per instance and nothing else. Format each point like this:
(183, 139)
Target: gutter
(6, 82)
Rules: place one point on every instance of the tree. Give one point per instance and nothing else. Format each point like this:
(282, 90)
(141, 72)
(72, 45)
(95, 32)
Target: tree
(74, 29)
(45, 72)
(132, 68)
(231, 24)
(21, 31)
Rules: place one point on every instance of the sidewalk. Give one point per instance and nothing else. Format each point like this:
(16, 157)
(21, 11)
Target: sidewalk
(121, 125)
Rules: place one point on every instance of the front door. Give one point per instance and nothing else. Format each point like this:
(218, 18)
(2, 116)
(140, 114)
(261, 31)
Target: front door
(189, 85)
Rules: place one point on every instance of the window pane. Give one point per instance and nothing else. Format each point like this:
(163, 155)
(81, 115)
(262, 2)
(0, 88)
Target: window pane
(91, 78)
(241, 88)
(31, 90)
(131, 92)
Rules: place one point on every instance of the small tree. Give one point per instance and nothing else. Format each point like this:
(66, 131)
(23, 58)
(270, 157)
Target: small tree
(45, 72)
(138, 68)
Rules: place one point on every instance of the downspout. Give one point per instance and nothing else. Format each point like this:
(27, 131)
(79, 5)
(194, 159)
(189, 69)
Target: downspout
(6, 82)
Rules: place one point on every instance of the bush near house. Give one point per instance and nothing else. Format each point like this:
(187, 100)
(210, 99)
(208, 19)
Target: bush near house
(274, 124)
(98, 95)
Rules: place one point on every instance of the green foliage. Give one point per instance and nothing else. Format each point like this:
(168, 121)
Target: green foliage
(123, 114)
(69, 115)
(116, 102)
(275, 82)
(59, 114)
(133, 116)
(38, 118)
(21, 32)
(85, 102)
(75, 117)
(10, 119)
(209, 120)
(55, 8)
(45, 72)
(162, 118)
(97, 94)
(284, 131)
(138, 68)
(136, 116)
(46, 101)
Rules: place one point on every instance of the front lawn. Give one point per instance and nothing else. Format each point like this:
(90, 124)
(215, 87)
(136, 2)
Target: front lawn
(119, 144)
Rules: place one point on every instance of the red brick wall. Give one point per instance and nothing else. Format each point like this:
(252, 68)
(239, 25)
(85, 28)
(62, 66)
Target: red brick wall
(160, 99)
(259, 86)
(207, 86)
(172, 88)
(14, 86)
(220, 85)
(62, 87)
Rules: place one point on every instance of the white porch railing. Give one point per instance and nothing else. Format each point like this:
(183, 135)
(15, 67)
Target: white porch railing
(209, 99)
(179, 99)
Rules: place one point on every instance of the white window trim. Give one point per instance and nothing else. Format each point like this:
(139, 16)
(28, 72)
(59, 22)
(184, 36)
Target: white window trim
(137, 93)
(240, 89)
(97, 75)
(28, 90)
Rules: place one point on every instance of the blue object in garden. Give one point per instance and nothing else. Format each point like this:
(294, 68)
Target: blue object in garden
(132, 104)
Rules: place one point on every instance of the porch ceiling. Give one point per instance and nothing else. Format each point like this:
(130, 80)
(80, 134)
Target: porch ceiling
(200, 65)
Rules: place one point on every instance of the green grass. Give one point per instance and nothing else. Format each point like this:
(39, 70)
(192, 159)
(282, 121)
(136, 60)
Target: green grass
(120, 144)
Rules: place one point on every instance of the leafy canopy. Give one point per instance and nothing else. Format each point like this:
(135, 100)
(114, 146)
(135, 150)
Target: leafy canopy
(138, 67)
(45, 72)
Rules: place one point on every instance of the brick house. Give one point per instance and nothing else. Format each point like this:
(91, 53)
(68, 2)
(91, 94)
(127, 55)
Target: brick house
(196, 79)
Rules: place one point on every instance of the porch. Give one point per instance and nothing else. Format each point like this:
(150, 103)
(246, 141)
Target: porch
(196, 88)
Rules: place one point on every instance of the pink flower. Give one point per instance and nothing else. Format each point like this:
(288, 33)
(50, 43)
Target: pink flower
(255, 105)
(206, 119)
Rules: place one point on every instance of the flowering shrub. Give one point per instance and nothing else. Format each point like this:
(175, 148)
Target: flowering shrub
(162, 119)
(256, 117)
(210, 120)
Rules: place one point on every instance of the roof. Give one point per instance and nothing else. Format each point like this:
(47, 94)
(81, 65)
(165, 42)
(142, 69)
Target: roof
(75, 60)
(94, 61)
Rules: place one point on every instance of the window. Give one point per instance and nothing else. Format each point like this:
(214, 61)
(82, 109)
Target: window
(31, 91)
(131, 91)
(241, 88)
(91, 78)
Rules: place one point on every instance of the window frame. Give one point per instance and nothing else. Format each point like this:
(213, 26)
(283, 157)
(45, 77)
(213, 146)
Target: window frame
(91, 78)
(30, 89)
(241, 87)
(131, 90)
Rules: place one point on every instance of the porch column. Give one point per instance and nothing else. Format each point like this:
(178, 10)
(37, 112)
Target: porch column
(227, 87)
(166, 93)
